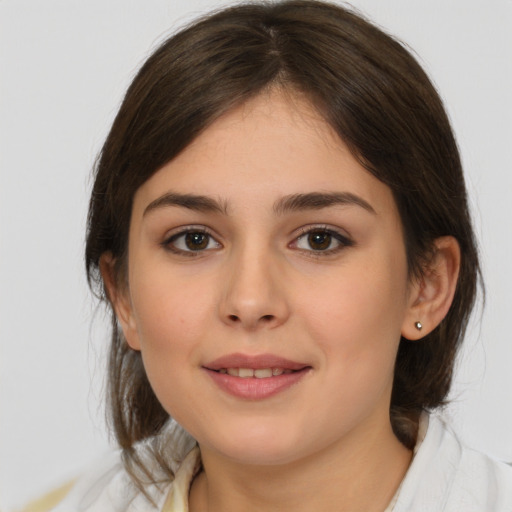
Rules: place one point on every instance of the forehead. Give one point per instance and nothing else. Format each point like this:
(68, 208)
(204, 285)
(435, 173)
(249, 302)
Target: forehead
(276, 144)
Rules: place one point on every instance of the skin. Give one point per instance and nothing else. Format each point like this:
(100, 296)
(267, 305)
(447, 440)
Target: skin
(259, 286)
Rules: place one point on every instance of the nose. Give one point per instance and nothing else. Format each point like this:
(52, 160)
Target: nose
(254, 292)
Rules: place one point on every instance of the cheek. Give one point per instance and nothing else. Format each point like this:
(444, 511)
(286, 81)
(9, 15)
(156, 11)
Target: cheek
(356, 319)
(169, 309)
(357, 328)
(172, 316)
(361, 308)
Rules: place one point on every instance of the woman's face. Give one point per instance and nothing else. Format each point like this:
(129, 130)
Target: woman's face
(268, 286)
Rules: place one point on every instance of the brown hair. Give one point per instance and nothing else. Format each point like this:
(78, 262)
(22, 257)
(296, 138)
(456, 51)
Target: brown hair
(374, 94)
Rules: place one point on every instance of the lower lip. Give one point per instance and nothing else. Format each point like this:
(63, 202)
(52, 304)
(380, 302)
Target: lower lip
(253, 388)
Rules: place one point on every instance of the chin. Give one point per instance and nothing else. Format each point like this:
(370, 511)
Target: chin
(257, 446)
(261, 455)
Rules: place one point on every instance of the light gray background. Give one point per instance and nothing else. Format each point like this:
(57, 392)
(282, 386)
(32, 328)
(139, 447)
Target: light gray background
(64, 66)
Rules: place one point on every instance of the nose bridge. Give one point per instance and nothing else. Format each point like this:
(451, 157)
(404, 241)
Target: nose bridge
(253, 295)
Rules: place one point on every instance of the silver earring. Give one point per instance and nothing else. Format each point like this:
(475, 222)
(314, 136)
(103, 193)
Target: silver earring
(418, 325)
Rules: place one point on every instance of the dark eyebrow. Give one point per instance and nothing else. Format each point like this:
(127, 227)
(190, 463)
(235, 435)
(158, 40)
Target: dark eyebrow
(190, 201)
(319, 200)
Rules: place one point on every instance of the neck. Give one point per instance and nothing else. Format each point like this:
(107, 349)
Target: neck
(357, 474)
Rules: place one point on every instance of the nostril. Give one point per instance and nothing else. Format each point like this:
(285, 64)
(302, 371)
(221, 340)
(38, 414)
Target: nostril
(263, 319)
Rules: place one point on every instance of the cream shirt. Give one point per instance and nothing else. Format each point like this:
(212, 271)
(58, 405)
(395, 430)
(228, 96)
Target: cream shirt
(444, 476)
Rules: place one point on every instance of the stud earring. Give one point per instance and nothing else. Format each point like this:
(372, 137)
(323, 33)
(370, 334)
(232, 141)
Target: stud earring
(418, 325)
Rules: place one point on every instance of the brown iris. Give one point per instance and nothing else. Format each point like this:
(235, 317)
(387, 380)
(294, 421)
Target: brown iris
(196, 241)
(319, 240)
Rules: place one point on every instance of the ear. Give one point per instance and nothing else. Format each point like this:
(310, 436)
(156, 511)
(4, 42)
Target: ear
(432, 294)
(118, 295)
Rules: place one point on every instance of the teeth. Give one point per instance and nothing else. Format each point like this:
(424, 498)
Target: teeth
(260, 373)
(264, 373)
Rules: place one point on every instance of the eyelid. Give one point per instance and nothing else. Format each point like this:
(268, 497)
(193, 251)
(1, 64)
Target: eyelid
(341, 236)
(344, 240)
(176, 233)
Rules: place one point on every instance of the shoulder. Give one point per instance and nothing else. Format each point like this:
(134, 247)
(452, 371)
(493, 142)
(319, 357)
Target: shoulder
(481, 479)
(50, 500)
(446, 475)
(105, 485)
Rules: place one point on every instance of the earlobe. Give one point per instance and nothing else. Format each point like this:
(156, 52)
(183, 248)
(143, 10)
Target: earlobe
(118, 296)
(432, 294)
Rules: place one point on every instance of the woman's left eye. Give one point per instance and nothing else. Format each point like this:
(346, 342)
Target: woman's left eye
(321, 240)
(191, 242)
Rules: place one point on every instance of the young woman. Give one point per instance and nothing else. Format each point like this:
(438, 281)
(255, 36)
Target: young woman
(279, 225)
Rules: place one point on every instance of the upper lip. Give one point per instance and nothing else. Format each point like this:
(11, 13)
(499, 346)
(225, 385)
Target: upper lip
(255, 362)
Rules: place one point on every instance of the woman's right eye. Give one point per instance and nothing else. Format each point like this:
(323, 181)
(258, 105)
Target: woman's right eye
(192, 241)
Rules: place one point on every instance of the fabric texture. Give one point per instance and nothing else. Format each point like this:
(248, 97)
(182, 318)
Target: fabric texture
(444, 476)
(50, 500)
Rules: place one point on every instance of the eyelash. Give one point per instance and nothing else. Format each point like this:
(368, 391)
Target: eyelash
(342, 241)
(169, 243)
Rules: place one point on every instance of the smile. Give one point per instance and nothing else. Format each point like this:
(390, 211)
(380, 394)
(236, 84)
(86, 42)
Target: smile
(258, 373)
(255, 377)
